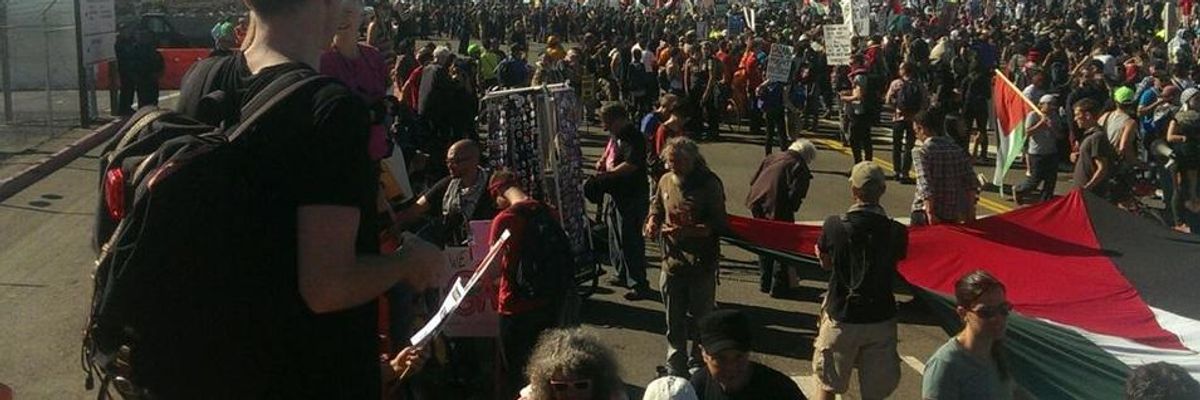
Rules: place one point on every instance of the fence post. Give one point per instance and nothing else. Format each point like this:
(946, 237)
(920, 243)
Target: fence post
(84, 111)
(5, 75)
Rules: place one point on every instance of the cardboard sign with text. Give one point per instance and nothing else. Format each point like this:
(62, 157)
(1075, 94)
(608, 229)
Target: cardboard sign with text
(837, 43)
(779, 63)
(476, 316)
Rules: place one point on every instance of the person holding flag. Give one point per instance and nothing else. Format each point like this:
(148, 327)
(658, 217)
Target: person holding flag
(1045, 128)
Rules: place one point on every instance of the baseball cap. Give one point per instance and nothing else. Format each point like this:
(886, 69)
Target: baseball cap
(1188, 94)
(723, 330)
(670, 388)
(1123, 95)
(1049, 98)
(866, 172)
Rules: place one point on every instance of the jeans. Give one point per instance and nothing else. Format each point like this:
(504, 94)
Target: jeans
(772, 279)
(518, 335)
(755, 115)
(1044, 173)
(776, 128)
(684, 295)
(903, 140)
(860, 138)
(146, 89)
(625, 216)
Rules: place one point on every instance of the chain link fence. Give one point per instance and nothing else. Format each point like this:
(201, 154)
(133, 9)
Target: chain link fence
(39, 77)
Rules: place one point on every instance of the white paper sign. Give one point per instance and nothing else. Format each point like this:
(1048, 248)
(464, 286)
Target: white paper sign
(779, 63)
(98, 26)
(837, 44)
(457, 295)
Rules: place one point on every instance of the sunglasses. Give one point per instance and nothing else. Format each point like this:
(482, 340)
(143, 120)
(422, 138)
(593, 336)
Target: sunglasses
(989, 312)
(577, 385)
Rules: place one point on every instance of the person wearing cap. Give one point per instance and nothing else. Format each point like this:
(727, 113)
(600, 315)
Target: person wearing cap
(776, 192)
(522, 318)
(947, 188)
(1044, 129)
(688, 210)
(489, 59)
(858, 316)
(726, 340)
(1120, 126)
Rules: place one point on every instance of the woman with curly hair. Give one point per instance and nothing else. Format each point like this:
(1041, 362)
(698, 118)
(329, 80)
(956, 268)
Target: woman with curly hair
(572, 364)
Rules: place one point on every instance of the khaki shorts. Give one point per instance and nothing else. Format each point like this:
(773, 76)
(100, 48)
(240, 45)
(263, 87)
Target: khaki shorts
(871, 348)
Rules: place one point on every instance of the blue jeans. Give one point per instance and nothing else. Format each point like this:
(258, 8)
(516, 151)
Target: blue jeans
(625, 216)
(687, 299)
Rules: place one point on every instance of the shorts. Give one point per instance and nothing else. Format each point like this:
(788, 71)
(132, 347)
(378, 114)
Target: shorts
(871, 348)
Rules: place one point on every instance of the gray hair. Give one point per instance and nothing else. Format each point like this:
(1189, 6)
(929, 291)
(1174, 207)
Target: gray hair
(807, 150)
(683, 146)
(441, 54)
(573, 352)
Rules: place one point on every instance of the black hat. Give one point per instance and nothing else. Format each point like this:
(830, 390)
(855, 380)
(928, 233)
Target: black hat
(725, 329)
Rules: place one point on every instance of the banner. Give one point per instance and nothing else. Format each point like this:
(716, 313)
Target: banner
(779, 63)
(837, 44)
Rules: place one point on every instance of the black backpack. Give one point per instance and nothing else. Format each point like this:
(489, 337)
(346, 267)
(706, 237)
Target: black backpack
(546, 269)
(179, 214)
(908, 98)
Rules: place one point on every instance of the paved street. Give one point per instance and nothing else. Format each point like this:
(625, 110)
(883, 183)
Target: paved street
(46, 258)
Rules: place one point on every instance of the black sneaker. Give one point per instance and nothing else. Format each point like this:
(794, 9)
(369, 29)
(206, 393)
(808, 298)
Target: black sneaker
(617, 282)
(639, 294)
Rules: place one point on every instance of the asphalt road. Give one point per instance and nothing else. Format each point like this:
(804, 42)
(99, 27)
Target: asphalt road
(46, 260)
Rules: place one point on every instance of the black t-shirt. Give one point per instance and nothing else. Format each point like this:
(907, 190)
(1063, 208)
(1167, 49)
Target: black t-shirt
(886, 243)
(631, 148)
(310, 150)
(448, 227)
(765, 384)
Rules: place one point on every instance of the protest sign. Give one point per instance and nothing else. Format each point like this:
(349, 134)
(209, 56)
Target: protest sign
(476, 316)
(837, 44)
(457, 296)
(779, 63)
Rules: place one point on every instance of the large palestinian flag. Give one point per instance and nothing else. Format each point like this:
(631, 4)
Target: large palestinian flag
(1097, 290)
(1010, 107)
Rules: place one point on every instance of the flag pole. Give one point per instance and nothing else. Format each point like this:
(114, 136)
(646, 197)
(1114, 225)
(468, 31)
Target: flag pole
(1020, 93)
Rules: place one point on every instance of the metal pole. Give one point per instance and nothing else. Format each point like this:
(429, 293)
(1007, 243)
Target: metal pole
(5, 74)
(82, 73)
(46, 51)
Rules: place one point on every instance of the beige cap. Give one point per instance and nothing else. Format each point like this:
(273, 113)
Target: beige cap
(866, 172)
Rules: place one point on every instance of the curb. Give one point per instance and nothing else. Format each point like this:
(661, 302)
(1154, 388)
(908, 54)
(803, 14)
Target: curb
(16, 183)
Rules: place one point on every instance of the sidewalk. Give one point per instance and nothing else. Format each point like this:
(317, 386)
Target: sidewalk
(22, 167)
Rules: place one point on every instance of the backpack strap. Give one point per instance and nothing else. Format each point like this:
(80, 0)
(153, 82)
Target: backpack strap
(275, 93)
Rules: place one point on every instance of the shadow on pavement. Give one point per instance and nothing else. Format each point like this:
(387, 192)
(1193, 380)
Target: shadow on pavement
(777, 342)
(608, 314)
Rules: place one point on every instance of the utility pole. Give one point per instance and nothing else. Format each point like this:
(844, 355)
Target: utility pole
(5, 73)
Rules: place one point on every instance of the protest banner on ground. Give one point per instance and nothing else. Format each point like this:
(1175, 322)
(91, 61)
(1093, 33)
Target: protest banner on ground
(837, 44)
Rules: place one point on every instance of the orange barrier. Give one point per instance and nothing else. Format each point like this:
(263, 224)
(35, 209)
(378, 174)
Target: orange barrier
(176, 63)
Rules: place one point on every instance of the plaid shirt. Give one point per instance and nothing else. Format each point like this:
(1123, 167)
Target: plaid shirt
(945, 176)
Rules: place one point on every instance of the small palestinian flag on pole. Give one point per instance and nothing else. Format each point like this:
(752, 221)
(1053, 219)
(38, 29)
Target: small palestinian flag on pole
(1011, 109)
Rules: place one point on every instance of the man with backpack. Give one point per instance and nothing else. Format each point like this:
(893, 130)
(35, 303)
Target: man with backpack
(858, 317)
(536, 273)
(908, 96)
(247, 263)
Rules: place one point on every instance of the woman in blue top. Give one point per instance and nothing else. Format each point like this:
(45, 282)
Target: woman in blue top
(972, 365)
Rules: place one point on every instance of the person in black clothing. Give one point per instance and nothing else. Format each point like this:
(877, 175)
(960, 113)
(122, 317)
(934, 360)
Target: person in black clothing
(728, 373)
(622, 175)
(139, 65)
(776, 192)
(858, 322)
(299, 319)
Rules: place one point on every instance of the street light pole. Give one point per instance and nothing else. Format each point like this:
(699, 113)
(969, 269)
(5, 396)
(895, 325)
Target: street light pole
(84, 111)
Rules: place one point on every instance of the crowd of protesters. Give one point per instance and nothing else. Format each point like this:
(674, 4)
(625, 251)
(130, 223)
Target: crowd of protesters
(1115, 96)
